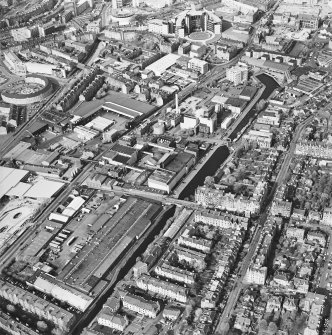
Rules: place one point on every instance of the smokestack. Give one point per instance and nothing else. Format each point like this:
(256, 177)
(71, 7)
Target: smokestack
(176, 104)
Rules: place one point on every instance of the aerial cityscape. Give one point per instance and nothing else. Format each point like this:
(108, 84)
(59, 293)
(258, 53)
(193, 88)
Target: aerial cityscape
(165, 167)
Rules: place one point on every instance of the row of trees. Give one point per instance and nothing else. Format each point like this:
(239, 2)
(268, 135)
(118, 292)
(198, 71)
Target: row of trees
(316, 196)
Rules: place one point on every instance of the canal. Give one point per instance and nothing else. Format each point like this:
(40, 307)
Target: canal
(211, 166)
(208, 169)
(270, 86)
(130, 261)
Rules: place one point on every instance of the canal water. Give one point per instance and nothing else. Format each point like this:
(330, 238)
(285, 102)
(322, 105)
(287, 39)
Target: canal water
(208, 169)
(213, 163)
(270, 86)
(131, 261)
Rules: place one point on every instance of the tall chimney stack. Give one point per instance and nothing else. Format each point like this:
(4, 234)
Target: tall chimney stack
(177, 104)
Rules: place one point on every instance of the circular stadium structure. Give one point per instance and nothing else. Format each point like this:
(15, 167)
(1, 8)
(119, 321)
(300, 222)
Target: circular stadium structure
(124, 16)
(32, 89)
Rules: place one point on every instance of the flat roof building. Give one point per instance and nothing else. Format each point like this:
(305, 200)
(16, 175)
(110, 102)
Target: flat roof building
(9, 178)
(163, 64)
(62, 292)
(118, 103)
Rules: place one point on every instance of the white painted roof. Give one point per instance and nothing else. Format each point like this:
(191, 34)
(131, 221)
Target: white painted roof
(19, 190)
(44, 189)
(162, 64)
(9, 178)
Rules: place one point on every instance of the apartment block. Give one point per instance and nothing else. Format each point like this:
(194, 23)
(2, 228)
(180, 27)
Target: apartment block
(237, 74)
(327, 217)
(257, 271)
(314, 149)
(114, 321)
(191, 256)
(262, 138)
(195, 243)
(141, 306)
(221, 219)
(222, 200)
(35, 305)
(174, 273)
(198, 65)
(163, 288)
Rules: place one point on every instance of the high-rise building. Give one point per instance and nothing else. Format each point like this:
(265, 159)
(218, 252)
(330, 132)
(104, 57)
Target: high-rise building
(160, 27)
(198, 65)
(193, 20)
(77, 6)
(120, 3)
(70, 6)
(237, 74)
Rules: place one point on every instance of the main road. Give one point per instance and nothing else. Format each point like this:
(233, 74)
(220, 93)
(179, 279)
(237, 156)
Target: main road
(234, 295)
(20, 243)
(19, 134)
(22, 131)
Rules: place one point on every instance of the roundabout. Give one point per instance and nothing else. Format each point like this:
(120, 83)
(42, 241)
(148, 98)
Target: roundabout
(204, 37)
(201, 35)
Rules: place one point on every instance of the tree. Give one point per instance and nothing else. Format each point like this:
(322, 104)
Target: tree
(260, 105)
(276, 316)
(240, 152)
(198, 313)
(242, 174)
(42, 325)
(263, 325)
(307, 205)
(11, 308)
(231, 180)
(234, 331)
(57, 331)
(209, 181)
(272, 328)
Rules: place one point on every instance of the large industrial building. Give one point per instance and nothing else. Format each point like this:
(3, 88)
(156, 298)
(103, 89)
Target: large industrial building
(24, 33)
(58, 290)
(13, 183)
(175, 167)
(15, 64)
(9, 178)
(118, 103)
(163, 64)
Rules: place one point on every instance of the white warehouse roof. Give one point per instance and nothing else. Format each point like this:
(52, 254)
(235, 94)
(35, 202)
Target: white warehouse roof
(44, 189)
(19, 190)
(162, 64)
(9, 178)
(58, 217)
(100, 123)
(74, 206)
